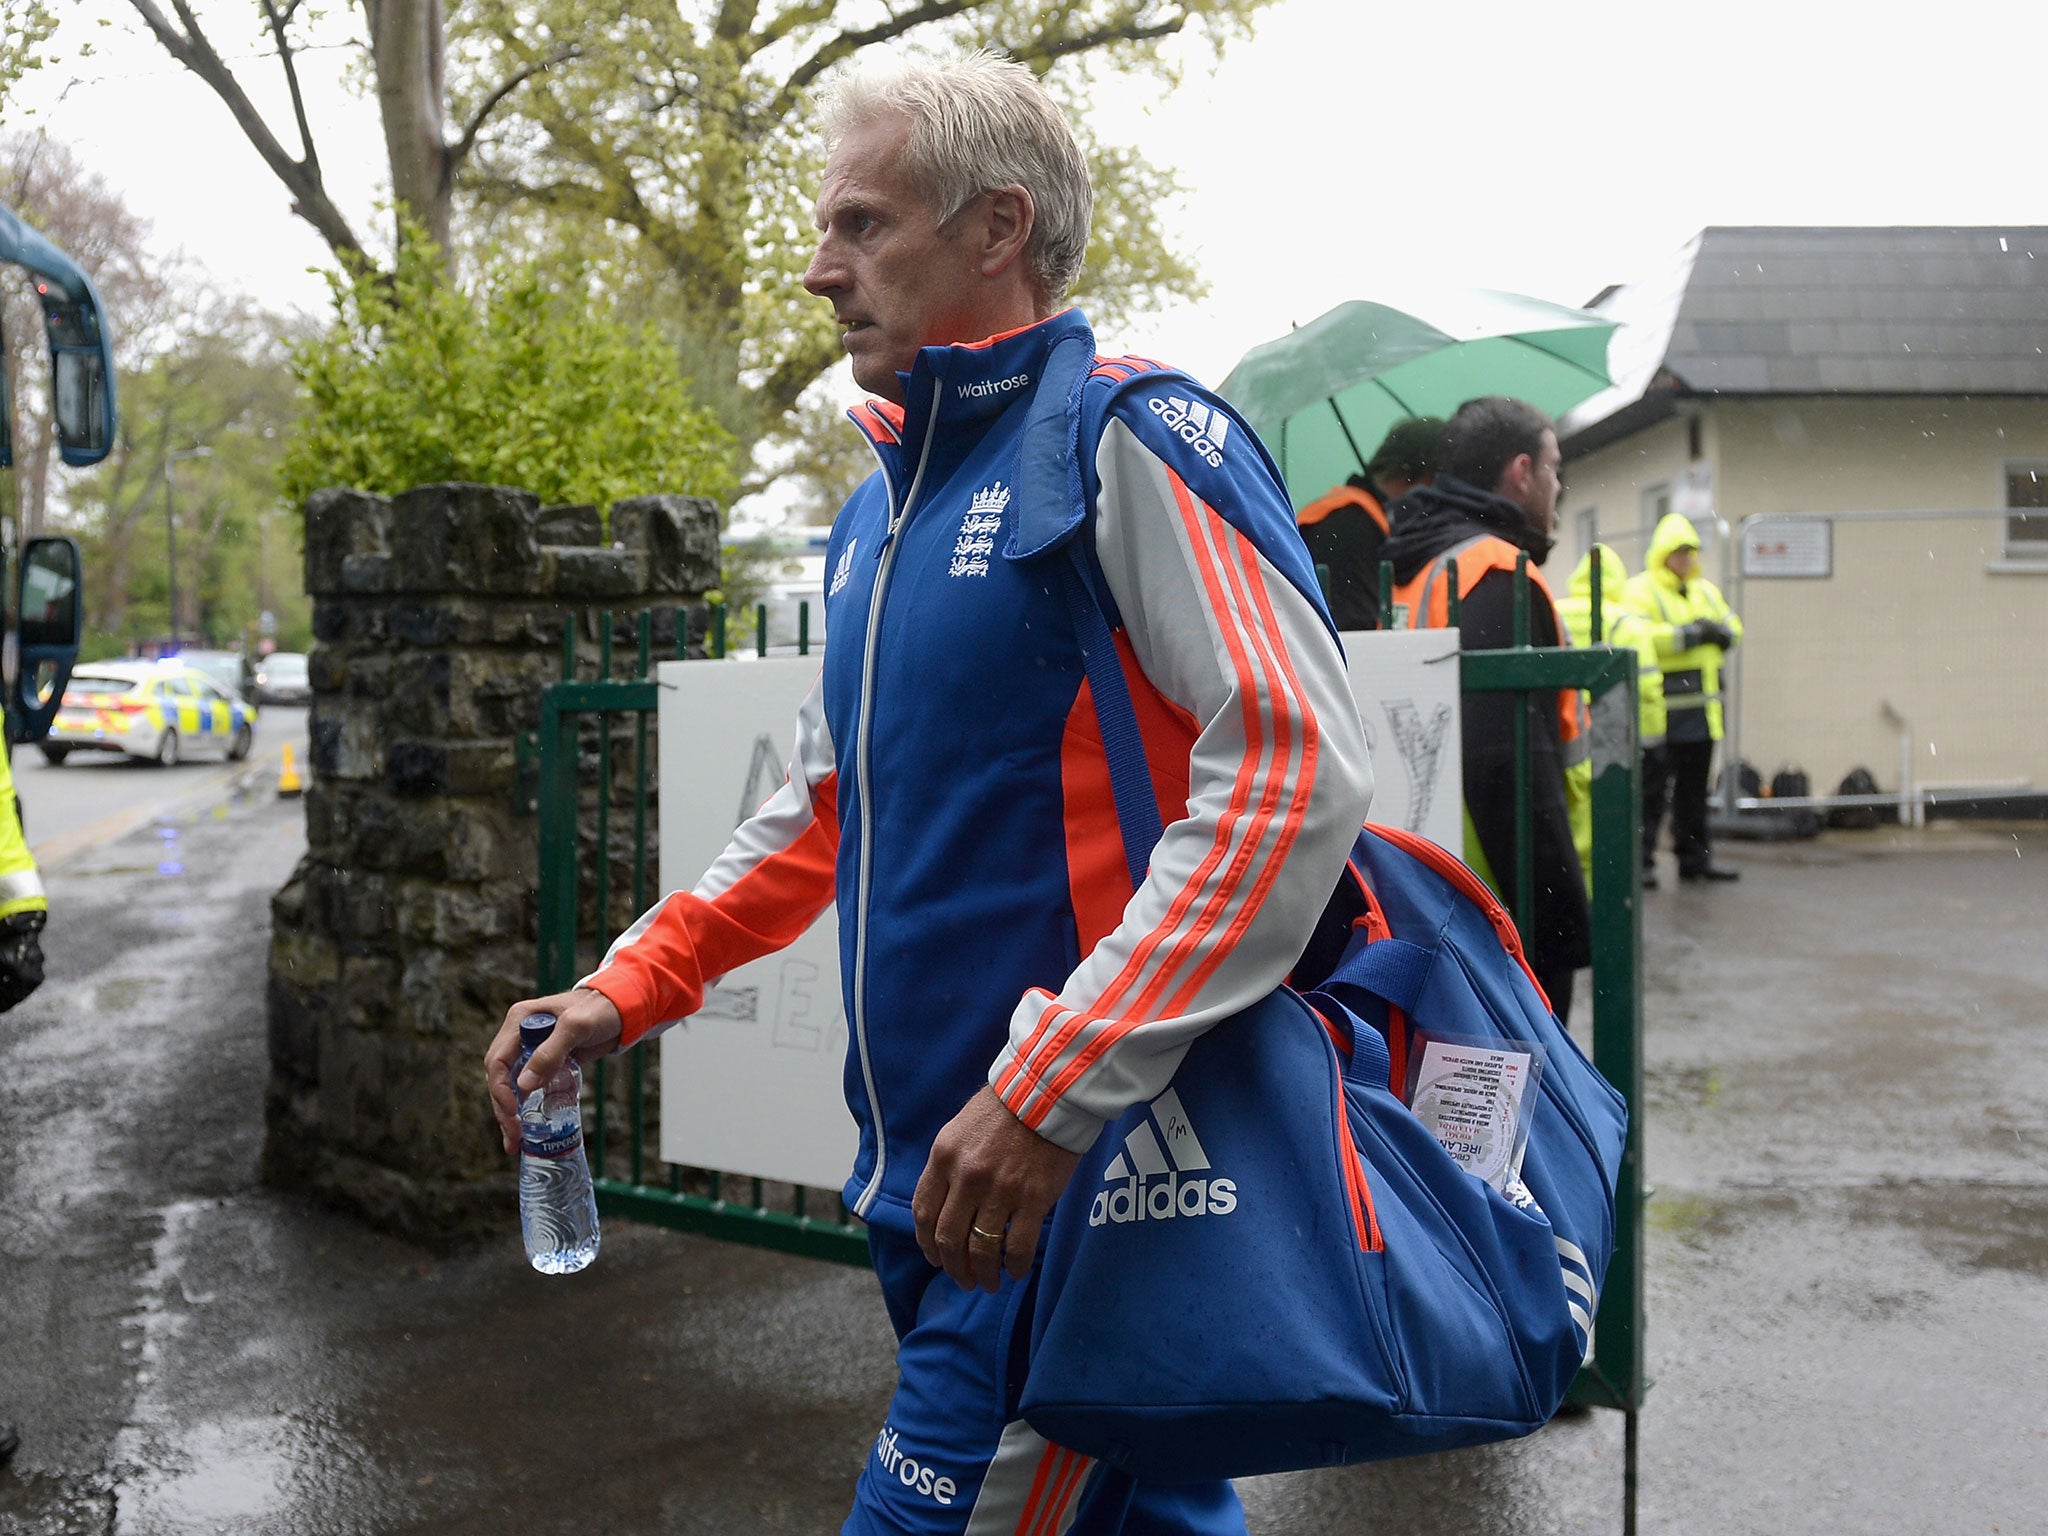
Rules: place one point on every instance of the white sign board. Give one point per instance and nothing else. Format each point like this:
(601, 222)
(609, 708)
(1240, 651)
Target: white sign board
(754, 1083)
(1406, 684)
(1789, 546)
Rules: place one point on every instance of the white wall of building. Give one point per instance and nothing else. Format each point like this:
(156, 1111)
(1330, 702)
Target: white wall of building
(1925, 630)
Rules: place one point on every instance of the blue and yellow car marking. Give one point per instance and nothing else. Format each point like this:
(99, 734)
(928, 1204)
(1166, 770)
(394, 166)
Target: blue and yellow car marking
(197, 720)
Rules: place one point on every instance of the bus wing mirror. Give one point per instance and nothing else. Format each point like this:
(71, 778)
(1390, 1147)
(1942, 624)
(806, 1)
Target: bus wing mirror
(81, 350)
(80, 384)
(84, 404)
(50, 625)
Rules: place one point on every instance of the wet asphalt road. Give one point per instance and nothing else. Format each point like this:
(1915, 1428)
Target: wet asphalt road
(93, 797)
(1848, 1287)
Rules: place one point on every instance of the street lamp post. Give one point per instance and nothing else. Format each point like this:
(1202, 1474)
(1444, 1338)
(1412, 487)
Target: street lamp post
(171, 518)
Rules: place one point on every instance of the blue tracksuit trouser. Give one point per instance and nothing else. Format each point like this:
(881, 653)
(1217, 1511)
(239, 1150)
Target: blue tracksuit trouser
(953, 1460)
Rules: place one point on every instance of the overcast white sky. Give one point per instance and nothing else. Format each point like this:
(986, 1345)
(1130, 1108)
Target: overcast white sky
(1348, 151)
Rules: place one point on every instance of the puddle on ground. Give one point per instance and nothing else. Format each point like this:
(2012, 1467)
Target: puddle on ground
(1703, 1220)
(1683, 1087)
(121, 993)
(1976, 1226)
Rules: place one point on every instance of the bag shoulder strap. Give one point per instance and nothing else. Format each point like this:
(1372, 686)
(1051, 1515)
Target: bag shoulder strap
(1091, 607)
(1130, 780)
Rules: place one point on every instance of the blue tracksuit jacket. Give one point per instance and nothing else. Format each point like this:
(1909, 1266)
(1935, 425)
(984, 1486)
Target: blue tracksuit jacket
(949, 788)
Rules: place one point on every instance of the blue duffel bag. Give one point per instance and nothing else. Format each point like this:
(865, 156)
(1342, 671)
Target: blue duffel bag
(1275, 1264)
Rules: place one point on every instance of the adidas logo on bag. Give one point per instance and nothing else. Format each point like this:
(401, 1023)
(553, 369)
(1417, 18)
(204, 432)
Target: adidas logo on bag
(1194, 424)
(1149, 1180)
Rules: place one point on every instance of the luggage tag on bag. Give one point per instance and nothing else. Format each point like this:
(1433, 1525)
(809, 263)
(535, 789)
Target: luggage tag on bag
(1476, 1099)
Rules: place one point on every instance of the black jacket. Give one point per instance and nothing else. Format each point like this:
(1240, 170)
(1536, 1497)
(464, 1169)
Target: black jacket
(1346, 542)
(1427, 521)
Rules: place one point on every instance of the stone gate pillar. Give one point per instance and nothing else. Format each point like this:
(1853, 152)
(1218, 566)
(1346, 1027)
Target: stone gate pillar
(409, 926)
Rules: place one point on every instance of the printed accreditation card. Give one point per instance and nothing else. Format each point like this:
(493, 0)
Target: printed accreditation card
(1472, 1095)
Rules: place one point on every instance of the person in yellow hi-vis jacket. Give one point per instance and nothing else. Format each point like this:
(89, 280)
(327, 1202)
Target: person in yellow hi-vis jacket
(23, 906)
(1670, 590)
(23, 909)
(1620, 626)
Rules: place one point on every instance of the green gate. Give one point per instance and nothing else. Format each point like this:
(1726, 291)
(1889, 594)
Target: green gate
(1614, 1378)
(591, 791)
(594, 769)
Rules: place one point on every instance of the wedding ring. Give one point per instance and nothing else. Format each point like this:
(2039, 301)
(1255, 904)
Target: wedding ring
(986, 1237)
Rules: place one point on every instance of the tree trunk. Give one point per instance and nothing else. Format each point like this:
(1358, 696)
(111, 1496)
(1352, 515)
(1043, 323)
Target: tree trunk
(406, 45)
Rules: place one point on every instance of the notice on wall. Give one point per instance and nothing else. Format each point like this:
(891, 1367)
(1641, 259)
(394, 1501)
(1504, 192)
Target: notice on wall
(752, 1084)
(1788, 547)
(1406, 684)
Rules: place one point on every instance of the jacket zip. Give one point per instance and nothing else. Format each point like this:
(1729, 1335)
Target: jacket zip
(897, 517)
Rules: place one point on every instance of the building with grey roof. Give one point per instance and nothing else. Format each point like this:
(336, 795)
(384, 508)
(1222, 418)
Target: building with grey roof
(1857, 422)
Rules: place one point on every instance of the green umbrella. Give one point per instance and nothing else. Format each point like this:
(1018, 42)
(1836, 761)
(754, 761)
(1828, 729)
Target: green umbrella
(1324, 395)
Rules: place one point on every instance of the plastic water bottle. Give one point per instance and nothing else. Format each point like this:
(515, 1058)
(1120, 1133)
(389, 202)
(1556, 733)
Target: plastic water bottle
(557, 1206)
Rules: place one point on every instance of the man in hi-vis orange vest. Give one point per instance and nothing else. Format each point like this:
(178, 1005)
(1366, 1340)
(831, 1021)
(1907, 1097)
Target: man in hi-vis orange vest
(1495, 498)
(1346, 527)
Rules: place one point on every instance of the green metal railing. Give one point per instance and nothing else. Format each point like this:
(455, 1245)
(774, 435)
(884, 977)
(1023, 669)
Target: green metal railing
(1615, 1377)
(593, 792)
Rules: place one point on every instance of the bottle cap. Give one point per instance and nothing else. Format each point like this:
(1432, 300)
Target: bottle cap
(535, 1028)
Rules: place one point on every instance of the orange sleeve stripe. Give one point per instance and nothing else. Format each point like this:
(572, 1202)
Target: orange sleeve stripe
(1281, 669)
(1216, 577)
(1041, 1048)
(1230, 553)
(1250, 590)
(1008, 1080)
(1140, 1011)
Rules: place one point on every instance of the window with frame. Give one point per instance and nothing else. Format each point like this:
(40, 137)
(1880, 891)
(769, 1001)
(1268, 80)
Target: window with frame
(1656, 502)
(2026, 520)
(1587, 521)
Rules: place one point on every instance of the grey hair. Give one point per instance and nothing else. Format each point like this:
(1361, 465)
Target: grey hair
(978, 123)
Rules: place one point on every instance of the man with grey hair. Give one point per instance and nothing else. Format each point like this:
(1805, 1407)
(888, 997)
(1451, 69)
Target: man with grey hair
(1008, 990)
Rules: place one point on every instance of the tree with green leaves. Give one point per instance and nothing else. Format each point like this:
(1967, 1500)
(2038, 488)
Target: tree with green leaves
(525, 375)
(673, 138)
(204, 422)
(25, 26)
(50, 188)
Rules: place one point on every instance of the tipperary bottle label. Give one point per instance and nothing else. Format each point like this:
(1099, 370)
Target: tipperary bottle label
(559, 1145)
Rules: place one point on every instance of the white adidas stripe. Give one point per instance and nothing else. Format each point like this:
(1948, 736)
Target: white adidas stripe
(1144, 1151)
(1172, 1148)
(1182, 1145)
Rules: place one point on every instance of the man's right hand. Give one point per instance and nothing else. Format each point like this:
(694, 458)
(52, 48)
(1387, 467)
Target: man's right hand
(587, 1024)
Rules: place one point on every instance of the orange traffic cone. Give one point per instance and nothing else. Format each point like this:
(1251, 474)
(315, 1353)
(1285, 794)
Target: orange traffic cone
(288, 781)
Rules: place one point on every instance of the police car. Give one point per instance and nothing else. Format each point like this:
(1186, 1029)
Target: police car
(159, 711)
